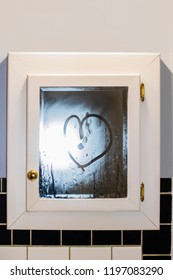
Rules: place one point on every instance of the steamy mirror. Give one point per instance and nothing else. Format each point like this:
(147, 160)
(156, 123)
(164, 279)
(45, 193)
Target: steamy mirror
(83, 142)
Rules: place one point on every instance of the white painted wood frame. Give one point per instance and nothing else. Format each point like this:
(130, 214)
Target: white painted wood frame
(34, 202)
(25, 68)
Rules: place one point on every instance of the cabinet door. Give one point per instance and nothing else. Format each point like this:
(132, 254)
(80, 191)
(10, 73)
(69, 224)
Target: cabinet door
(82, 149)
(83, 137)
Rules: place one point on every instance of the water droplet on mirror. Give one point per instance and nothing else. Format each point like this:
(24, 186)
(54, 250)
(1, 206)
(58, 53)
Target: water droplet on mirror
(80, 146)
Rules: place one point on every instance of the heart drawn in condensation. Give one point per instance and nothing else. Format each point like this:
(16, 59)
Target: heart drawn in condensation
(81, 135)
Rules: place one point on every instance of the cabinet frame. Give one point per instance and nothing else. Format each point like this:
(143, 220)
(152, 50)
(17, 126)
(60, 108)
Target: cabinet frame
(24, 65)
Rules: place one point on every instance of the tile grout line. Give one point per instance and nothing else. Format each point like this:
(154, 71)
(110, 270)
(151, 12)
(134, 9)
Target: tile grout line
(165, 193)
(165, 224)
(69, 253)
(121, 237)
(27, 252)
(91, 237)
(60, 237)
(111, 252)
(12, 237)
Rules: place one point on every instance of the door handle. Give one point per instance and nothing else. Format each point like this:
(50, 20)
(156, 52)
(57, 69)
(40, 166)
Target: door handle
(32, 175)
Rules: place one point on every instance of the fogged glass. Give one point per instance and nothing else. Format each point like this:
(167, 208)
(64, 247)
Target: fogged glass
(83, 142)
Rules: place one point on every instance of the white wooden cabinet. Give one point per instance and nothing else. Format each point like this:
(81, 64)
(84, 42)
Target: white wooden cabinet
(65, 114)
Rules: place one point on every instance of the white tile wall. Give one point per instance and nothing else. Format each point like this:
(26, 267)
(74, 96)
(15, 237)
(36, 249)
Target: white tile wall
(13, 253)
(127, 253)
(76, 253)
(48, 253)
(91, 253)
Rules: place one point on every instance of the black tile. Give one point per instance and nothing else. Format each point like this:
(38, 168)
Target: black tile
(165, 208)
(104, 237)
(131, 237)
(21, 237)
(165, 185)
(4, 184)
(5, 236)
(156, 257)
(3, 211)
(157, 241)
(76, 237)
(3, 187)
(45, 237)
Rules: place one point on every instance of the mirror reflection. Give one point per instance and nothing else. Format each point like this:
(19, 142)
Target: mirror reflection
(83, 142)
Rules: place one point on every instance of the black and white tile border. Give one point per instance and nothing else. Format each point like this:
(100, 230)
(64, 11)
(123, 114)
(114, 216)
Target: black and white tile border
(135, 244)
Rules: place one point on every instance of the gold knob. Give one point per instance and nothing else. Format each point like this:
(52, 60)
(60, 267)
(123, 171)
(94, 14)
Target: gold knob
(32, 175)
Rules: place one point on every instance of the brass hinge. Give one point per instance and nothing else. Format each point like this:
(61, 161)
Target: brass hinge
(142, 92)
(142, 192)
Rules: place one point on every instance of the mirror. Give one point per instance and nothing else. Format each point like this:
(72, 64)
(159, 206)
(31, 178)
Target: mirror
(83, 142)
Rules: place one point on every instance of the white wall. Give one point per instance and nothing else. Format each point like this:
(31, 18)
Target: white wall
(91, 25)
